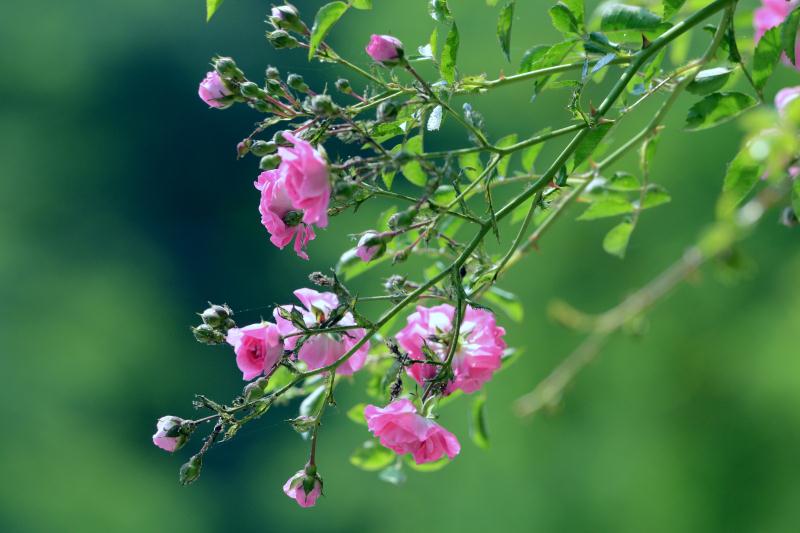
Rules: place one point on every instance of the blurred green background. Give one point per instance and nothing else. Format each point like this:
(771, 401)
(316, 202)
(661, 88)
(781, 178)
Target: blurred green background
(124, 211)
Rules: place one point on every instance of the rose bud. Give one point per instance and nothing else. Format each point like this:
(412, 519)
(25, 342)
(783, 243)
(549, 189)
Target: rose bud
(169, 435)
(386, 111)
(304, 488)
(190, 470)
(205, 334)
(216, 315)
(281, 39)
(322, 105)
(262, 148)
(295, 81)
(269, 162)
(272, 73)
(226, 67)
(343, 86)
(286, 17)
(212, 91)
(371, 246)
(385, 49)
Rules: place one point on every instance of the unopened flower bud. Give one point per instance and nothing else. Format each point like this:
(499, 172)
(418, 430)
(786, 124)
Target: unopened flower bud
(320, 279)
(322, 105)
(171, 433)
(226, 67)
(343, 86)
(371, 246)
(190, 470)
(387, 111)
(205, 334)
(295, 81)
(304, 487)
(274, 87)
(250, 90)
(242, 148)
(216, 315)
(269, 162)
(403, 219)
(394, 284)
(262, 148)
(272, 73)
(281, 39)
(286, 17)
(385, 49)
(256, 389)
(280, 139)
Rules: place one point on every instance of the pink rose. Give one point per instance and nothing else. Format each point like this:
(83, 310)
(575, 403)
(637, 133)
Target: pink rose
(385, 49)
(168, 434)
(277, 211)
(771, 14)
(402, 430)
(307, 185)
(324, 349)
(295, 489)
(258, 349)
(480, 345)
(785, 96)
(370, 246)
(212, 89)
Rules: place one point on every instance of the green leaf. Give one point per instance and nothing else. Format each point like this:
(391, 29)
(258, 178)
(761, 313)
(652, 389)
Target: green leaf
(615, 17)
(324, 20)
(427, 467)
(505, 142)
(623, 182)
(796, 197)
(393, 474)
(211, 8)
(439, 10)
(654, 196)
(590, 142)
(351, 266)
(504, 22)
(616, 240)
(361, 4)
(671, 7)
(280, 378)
(742, 176)
(717, 108)
(356, 414)
(477, 426)
(789, 34)
(766, 56)
(563, 19)
(447, 64)
(542, 56)
(471, 164)
(371, 456)
(505, 301)
(578, 9)
(491, 3)
(608, 205)
(311, 404)
(413, 170)
(709, 80)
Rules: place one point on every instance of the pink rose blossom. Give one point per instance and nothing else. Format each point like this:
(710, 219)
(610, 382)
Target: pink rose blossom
(771, 14)
(369, 246)
(385, 49)
(324, 349)
(212, 89)
(168, 436)
(258, 348)
(784, 97)
(274, 206)
(295, 490)
(306, 174)
(402, 430)
(480, 345)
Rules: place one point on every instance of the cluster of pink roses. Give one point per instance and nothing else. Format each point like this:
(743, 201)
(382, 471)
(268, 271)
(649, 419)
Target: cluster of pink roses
(772, 13)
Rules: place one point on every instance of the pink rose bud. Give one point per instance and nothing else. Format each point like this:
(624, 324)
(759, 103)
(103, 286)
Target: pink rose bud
(168, 435)
(303, 488)
(286, 17)
(402, 430)
(385, 49)
(212, 89)
(478, 354)
(784, 97)
(772, 13)
(258, 349)
(322, 350)
(370, 246)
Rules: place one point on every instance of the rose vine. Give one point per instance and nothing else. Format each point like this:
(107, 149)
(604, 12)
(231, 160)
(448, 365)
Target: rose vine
(455, 199)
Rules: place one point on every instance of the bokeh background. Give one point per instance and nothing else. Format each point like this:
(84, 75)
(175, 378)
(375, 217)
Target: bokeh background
(124, 211)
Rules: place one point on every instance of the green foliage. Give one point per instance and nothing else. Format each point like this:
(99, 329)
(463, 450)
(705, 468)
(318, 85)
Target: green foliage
(447, 64)
(789, 30)
(709, 80)
(361, 4)
(504, 23)
(616, 240)
(611, 203)
(439, 10)
(671, 7)
(717, 108)
(211, 8)
(563, 19)
(477, 428)
(767, 54)
(623, 17)
(326, 17)
(371, 456)
(507, 302)
(590, 142)
(742, 176)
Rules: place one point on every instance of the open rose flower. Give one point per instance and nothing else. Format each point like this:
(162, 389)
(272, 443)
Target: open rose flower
(323, 349)
(385, 49)
(399, 428)
(771, 14)
(478, 353)
(295, 488)
(370, 246)
(168, 434)
(212, 89)
(258, 348)
(295, 195)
